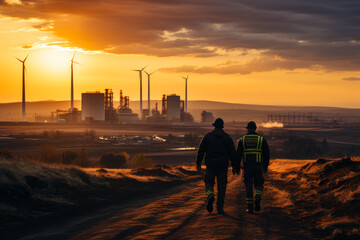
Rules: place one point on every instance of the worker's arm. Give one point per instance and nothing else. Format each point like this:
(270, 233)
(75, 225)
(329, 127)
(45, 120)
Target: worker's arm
(232, 153)
(239, 152)
(201, 152)
(266, 154)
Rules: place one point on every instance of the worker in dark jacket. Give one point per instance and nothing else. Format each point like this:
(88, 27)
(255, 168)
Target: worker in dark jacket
(218, 148)
(253, 153)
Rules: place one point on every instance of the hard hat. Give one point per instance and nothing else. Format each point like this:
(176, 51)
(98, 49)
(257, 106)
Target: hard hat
(219, 123)
(251, 125)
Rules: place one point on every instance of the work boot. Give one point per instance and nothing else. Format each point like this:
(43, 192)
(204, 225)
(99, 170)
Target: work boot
(210, 201)
(250, 209)
(257, 204)
(220, 209)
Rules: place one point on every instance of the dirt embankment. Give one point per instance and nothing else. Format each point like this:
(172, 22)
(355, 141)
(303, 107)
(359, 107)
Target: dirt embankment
(323, 194)
(33, 194)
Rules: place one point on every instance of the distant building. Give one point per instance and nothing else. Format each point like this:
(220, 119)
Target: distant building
(173, 108)
(92, 106)
(207, 116)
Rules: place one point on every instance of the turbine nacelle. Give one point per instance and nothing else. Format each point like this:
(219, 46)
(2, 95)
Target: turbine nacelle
(149, 74)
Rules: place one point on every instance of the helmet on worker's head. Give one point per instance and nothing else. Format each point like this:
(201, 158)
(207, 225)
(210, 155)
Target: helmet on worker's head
(219, 123)
(251, 125)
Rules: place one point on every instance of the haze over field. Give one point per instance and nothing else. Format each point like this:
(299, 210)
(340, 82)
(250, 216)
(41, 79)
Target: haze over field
(229, 111)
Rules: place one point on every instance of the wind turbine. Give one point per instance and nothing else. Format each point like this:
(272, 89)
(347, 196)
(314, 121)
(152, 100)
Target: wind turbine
(72, 81)
(149, 74)
(186, 80)
(140, 74)
(23, 86)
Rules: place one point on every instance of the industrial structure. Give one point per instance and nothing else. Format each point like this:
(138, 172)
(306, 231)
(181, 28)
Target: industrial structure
(125, 114)
(110, 111)
(302, 119)
(93, 106)
(173, 108)
(23, 87)
(207, 116)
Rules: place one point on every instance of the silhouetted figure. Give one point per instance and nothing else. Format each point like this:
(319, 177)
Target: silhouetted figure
(254, 155)
(218, 148)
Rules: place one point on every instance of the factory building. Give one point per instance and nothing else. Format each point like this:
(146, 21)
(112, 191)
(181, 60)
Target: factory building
(173, 108)
(207, 116)
(93, 106)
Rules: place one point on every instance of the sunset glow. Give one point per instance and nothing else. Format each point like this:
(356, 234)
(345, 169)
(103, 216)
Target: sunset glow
(234, 51)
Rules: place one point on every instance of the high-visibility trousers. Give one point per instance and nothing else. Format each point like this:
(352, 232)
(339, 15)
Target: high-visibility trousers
(221, 178)
(253, 179)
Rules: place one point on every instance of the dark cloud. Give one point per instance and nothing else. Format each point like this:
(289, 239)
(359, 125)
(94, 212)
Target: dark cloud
(352, 79)
(262, 64)
(302, 32)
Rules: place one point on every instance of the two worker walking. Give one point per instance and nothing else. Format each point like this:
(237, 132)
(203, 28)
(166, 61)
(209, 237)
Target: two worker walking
(252, 155)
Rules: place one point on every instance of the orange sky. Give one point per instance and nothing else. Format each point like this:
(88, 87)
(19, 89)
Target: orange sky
(233, 52)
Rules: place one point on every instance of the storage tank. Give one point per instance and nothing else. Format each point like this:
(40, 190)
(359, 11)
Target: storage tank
(92, 106)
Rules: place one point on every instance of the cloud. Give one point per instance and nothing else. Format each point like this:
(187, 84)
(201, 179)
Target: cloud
(352, 79)
(302, 32)
(261, 64)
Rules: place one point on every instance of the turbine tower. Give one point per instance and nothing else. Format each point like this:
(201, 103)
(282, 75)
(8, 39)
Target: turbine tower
(140, 75)
(72, 81)
(186, 80)
(23, 86)
(149, 74)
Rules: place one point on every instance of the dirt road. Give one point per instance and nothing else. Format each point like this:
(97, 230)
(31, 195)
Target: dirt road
(180, 214)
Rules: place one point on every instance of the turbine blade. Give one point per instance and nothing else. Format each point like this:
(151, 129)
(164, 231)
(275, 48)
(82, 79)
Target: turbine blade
(26, 57)
(76, 62)
(73, 56)
(146, 72)
(18, 59)
(143, 68)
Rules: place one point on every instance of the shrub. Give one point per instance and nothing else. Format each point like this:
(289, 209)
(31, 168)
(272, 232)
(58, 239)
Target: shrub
(82, 159)
(50, 154)
(114, 160)
(140, 161)
(69, 157)
(7, 154)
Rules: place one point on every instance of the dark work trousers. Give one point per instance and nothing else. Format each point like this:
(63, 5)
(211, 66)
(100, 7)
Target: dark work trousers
(253, 178)
(221, 175)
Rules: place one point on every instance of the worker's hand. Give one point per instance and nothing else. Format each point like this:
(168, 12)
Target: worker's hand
(241, 165)
(198, 167)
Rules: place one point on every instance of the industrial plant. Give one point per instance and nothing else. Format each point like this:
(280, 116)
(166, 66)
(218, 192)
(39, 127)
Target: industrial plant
(99, 106)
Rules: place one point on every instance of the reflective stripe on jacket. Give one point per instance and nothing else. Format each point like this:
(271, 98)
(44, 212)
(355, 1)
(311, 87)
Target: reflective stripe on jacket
(252, 148)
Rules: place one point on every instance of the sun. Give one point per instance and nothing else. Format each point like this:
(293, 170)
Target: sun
(55, 60)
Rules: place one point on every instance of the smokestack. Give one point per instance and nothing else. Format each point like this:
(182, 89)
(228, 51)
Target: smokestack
(121, 99)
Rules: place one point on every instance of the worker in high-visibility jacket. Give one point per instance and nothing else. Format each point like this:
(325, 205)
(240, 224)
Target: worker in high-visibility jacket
(254, 155)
